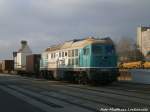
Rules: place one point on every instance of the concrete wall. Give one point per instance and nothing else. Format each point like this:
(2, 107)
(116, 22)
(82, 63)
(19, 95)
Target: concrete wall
(140, 76)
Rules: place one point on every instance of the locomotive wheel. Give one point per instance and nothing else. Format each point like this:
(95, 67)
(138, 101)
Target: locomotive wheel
(83, 79)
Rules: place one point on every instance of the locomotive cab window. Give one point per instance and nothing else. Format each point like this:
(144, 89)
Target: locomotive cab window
(110, 49)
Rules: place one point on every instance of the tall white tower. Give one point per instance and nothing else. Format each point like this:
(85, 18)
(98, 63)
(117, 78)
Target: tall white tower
(143, 39)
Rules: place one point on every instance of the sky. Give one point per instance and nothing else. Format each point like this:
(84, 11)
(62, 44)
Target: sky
(47, 22)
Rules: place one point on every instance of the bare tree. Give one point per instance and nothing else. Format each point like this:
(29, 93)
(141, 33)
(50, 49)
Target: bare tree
(123, 47)
(136, 53)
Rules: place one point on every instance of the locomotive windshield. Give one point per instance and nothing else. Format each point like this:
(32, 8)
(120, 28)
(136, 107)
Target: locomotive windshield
(109, 49)
(97, 49)
(102, 49)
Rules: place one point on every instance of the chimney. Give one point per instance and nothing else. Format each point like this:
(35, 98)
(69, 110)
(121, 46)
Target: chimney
(23, 43)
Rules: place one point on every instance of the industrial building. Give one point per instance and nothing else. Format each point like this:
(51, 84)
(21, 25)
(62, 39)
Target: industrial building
(20, 56)
(143, 39)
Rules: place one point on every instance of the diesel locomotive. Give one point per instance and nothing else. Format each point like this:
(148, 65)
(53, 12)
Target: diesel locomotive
(83, 60)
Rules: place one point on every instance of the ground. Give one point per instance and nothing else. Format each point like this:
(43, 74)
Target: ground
(24, 94)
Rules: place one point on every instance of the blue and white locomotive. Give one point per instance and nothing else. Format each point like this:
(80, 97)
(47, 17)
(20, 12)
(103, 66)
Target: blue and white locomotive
(83, 60)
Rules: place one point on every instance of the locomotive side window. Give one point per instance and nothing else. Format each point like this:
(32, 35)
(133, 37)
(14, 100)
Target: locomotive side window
(46, 56)
(69, 61)
(54, 55)
(69, 53)
(72, 53)
(51, 55)
(62, 54)
(76, 61)
(65, 53)
(59, 54)
(72, 61)
(76, 52)
(86, 51)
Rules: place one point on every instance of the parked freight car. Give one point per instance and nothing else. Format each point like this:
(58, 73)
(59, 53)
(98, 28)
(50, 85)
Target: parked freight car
(81, 60)
(6, 66)
(33, 64)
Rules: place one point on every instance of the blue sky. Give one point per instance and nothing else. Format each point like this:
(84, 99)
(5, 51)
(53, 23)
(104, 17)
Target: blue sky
(47, 22)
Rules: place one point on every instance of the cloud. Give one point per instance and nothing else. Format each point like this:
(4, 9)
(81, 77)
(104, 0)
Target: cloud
(46, 22)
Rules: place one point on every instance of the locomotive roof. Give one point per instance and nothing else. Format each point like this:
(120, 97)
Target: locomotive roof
(79, 43)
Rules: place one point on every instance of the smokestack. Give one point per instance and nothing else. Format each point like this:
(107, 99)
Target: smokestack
(23, 43)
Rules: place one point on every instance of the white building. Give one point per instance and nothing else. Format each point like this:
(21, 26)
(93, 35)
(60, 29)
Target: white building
(20, 56)
(143, 39)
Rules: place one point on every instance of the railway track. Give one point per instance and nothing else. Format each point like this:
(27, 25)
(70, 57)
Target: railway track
(69, 95)
(131, 87)
(116, 94)
(90, 98)
(118, 91)
(108, 89)
(55, 103)
(85, 97)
